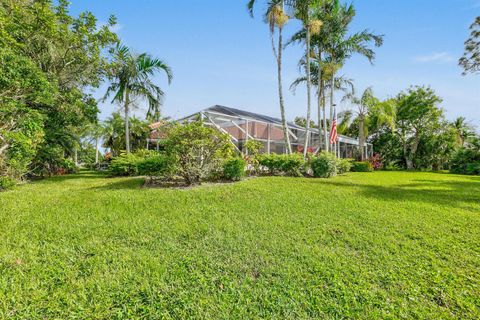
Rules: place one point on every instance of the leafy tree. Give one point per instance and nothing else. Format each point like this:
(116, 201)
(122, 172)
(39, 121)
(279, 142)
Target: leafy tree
(470, 62)
(197, 149)
(131, 78)
(52, 58)
(418, 117)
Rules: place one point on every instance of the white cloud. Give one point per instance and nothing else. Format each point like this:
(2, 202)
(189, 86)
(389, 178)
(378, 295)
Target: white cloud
(435, 57)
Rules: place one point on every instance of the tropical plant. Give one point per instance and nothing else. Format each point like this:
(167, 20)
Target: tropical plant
(369, 107)
(463, 131)
(131, 78)
(333, 47)
(114, 133)
(276, 18)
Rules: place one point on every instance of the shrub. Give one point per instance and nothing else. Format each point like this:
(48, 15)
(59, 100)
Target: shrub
(344, 165)
(6, 183)
(67, 166)
(472, 168)
(156, 166)
(324, 165)
(234, 169)
(465, 161)
(376, 161)
(198, 150)
(289, 164)
(362, 166)
(124, 165)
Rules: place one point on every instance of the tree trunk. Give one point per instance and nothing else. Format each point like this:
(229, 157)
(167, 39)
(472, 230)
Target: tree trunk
(286, 134)
(361, 136)
(332, 89)
(75, 156)
(319, 97)
(309, 89)
(127, 121)
(96, 150)
(325, 124)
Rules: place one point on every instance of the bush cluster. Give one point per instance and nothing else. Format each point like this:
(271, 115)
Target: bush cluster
(325, 165)
(466, 161)
(283, 164)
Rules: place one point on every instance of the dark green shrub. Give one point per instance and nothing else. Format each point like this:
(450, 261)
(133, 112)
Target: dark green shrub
(124, 165)
(156, 166)
(234, 169)
(362, 166)
(344, 165)
(472, 168)
(324, 165)
(465, 161)
(6, 183)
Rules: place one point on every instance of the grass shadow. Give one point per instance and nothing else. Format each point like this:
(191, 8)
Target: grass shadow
(448, 193)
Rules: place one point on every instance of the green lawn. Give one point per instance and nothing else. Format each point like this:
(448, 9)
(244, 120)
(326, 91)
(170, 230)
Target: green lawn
(383, 245)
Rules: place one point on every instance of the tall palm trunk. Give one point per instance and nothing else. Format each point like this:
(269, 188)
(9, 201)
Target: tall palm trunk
(325, 129)
(361, 136)
(309, 89)
(286, 134)
(319, 97)
(127, 120)
(97, 144)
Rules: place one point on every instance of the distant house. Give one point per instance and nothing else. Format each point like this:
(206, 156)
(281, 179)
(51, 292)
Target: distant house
(242, 125)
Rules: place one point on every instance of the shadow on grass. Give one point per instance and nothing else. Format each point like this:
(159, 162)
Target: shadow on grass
(135, 183)
(448, 193)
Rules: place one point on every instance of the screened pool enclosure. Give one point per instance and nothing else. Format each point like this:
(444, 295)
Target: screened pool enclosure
(242, 125)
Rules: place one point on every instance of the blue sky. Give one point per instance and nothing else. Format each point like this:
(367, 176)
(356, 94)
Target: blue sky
(219, 55)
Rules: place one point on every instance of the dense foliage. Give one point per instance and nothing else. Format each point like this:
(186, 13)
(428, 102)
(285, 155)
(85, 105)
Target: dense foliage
(362, 166)
(325, 165)
(234, 169)
(198, 150)
(47, 58)
(282, 164)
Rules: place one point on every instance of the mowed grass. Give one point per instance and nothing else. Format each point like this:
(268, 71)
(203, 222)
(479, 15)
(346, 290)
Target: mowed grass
(382, 245)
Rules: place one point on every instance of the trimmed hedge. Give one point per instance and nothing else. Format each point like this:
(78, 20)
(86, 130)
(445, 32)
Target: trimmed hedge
(363, 166)
(234, 169)
(156, 166)
(287, 164)
(124, 165)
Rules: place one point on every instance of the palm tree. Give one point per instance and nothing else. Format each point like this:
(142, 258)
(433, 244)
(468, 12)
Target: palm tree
(277, 18)
(368, 106)
(131, 77)
(334, 47)
(463, 130)
(304, 12)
